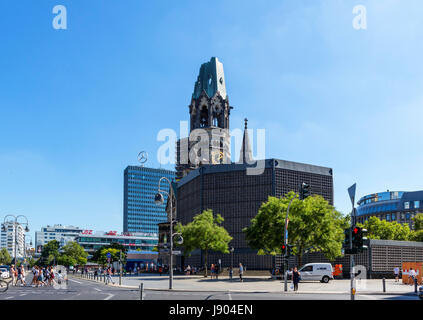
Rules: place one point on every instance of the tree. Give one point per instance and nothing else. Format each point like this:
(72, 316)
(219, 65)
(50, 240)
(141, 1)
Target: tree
(5, 257)
(418, 221)
(385, 230)
(73, 254)
(314, 225)
(417, 236)
(50, 253)
(115, 254)
(206, 233)
(100, 255)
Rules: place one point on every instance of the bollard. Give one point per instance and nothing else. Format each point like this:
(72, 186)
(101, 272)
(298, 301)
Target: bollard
(415, 285)
(384, 285)
(141, 291)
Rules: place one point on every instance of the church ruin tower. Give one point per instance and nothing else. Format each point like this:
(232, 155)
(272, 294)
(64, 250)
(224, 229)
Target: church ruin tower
(209, 114)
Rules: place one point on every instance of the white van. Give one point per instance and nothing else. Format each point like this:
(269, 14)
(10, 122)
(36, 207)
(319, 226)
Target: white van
(317, 271)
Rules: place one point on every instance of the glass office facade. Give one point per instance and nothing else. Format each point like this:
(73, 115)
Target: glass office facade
(141, 214)
(391, 206)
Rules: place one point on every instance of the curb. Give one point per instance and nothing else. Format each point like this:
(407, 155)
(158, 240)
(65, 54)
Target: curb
(395, 293)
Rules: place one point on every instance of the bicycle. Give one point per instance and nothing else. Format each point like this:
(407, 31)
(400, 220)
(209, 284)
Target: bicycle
(4, 285)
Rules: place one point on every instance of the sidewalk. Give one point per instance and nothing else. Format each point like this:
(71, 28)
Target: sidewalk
(262, 284)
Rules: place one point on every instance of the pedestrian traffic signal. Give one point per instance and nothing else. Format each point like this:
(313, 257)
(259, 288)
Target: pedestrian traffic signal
(289, 250)
(284, 251)
(359, 239)
(346, 245)
(304, 191)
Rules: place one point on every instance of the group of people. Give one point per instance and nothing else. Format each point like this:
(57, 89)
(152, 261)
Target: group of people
(18, 275)
(42, 276)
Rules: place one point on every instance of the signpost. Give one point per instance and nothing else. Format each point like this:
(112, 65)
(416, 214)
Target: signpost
(351, 192)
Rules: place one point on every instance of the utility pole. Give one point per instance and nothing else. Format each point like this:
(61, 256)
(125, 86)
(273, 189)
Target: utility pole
(120, 267)
(351, 192)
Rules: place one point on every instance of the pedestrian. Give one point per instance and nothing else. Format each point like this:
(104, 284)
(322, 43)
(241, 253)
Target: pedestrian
(396, 273)
(241, 272)
(212, 271)
(296, 277)
(411, 276)
(13, 275)
(109, 276)
(216, 271)
(160, 270)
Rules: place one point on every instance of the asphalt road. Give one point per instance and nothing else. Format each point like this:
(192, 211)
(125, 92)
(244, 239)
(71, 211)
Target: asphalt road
(80, 289)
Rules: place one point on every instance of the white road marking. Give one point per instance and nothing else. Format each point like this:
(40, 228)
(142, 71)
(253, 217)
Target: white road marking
(110, 296)
(75, 281)
(9, 298)
(23, 294)
(229, 295)
(368, 297)
(97, 289)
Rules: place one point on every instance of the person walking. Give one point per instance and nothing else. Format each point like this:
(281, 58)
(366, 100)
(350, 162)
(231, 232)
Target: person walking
(411, 276)
(396, 273)
(216, 271)
(109, 276)
(241, 272)
(13, 274)
(212, 269)
(296, 276)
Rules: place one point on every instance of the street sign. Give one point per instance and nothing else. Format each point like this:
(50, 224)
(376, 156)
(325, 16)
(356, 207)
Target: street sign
(177, 252)
(164, 250)
(108, 255)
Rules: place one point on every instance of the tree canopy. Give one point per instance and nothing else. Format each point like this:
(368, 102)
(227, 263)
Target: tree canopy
(418, 222)
(73, 254)
(385, 230)
(206, 233)
(314, 225)
(5, 257)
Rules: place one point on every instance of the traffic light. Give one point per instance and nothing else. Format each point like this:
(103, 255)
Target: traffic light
(346, 243)
(288, 250)
(284, 251)
(359, 239)
(304, 190)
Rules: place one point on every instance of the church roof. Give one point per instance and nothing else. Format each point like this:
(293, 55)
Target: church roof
(246, 154)
(211, 79)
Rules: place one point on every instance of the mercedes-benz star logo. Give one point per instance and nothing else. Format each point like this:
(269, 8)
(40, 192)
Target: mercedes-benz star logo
(142, 157)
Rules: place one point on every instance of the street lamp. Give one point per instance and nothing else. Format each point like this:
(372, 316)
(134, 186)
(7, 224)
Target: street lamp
(285, 242)
(15, 224)
(159, 200)
(231, 272)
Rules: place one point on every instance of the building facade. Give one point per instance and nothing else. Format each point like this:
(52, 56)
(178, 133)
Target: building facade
(397, 206)
(92, 241)
(237, 196)
(9, 231)
(209, 118)
(63, 234)
(140, 213)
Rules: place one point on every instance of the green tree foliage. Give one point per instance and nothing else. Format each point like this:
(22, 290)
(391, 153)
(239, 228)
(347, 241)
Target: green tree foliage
(115, 253)
(50, 253)
(418, 222)
(5, 257)
(73, 254)
(417, 236)
(206, 233)
(314, 225)
(385, 230)
(100, 255)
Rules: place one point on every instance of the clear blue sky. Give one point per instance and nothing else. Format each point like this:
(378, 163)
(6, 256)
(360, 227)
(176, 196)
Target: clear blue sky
(77, 105)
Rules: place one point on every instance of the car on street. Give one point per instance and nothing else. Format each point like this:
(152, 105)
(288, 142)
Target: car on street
(4, 273)
(420, 293)
(317, 271)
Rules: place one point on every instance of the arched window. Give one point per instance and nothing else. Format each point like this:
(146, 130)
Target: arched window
(204, 116)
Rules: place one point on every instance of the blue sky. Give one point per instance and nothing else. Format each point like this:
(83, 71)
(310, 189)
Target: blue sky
(77, 105)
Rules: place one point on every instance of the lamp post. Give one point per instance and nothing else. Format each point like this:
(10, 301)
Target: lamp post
(159, 200)
(285, 242)
(15, 224)
(231, 272)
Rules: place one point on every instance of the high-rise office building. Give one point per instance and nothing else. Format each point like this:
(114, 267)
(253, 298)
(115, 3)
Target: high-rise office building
(140, 213)
(63, 234)
(13, 236)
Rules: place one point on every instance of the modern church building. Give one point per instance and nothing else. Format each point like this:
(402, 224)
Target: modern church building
(234, 190)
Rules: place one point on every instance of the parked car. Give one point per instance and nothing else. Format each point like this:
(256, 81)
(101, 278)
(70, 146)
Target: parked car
(317, 271)
(4, 273)
(420, 293)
